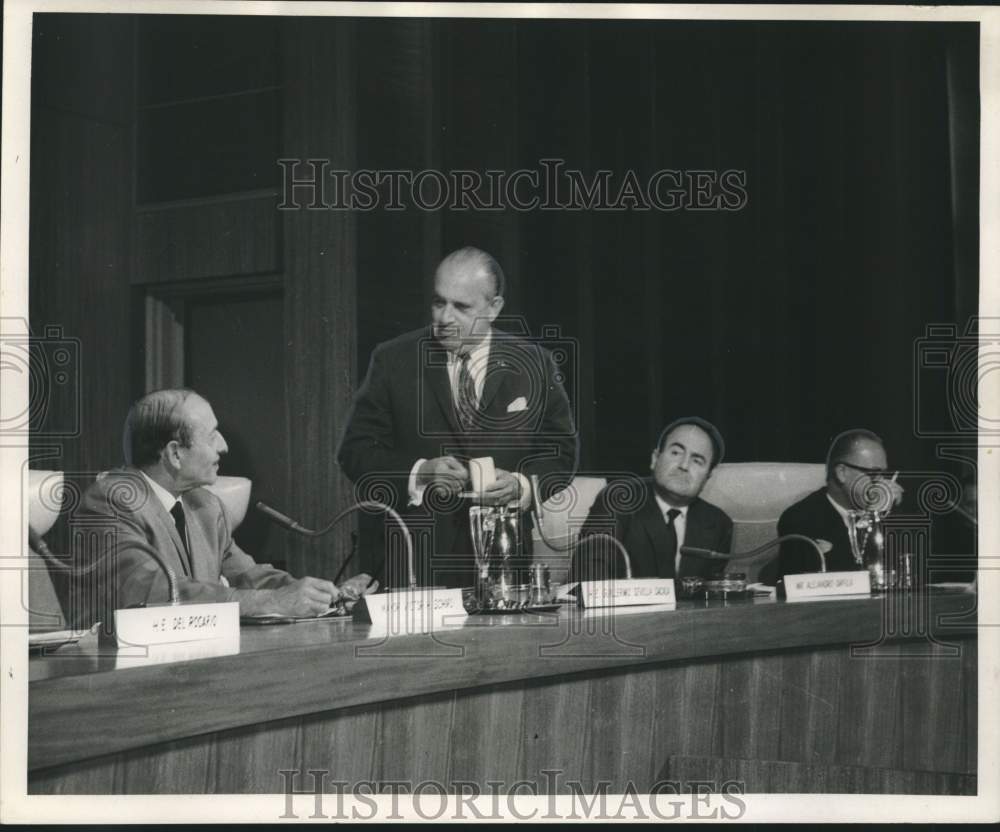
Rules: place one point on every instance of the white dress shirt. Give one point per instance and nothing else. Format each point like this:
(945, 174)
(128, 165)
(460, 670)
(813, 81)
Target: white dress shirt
(169, 501)
(161, 493)
(478, 360)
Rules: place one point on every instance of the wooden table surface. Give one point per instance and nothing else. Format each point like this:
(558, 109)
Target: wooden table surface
(84, 705)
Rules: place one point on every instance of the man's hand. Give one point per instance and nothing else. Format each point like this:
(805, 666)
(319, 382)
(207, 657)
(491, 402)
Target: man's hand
(353, 588)
(301, 598)
(506, 490)
(896, 490)
(444, 472)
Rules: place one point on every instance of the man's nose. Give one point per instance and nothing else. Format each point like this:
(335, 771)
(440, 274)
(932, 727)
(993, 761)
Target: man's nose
(683, 462)
(222, 448)
(447, 314)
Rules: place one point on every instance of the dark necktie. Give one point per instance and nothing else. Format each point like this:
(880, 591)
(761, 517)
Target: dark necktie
(466, 396)
(179, 521)
(672, 557)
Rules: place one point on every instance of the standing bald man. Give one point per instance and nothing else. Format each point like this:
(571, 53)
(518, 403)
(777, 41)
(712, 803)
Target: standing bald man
(458, 390)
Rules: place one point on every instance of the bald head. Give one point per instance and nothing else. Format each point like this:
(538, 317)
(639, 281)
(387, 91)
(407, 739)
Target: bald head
(475, 263)
(467, 299)
(856, 447)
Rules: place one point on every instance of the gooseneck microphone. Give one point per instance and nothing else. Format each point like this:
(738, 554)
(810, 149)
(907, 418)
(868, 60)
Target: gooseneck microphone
(618, 544)
(298, 528)
(41, 547)
(821, 547)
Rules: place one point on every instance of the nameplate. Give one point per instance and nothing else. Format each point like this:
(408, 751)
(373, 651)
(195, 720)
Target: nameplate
(178, 624)
(626, 593)
(823, 584)
(411, 611)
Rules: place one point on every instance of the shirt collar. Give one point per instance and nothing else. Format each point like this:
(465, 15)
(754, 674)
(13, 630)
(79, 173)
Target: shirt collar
(478, 354)
(665, 507)
(161, 493)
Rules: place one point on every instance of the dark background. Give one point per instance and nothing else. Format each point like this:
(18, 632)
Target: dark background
(154, 186)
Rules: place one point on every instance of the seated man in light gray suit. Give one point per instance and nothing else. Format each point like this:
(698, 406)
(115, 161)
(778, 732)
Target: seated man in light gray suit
(172, 447)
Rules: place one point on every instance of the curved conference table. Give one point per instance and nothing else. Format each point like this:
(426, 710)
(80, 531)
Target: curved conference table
(861, 695)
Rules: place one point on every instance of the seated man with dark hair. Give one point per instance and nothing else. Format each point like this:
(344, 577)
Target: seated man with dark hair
(667, 514)
(856, 470)
(172, 448)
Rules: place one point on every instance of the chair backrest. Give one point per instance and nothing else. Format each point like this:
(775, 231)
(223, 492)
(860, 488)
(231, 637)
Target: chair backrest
(235, 495)
(45, 610)
(562, 517)
(753, 494)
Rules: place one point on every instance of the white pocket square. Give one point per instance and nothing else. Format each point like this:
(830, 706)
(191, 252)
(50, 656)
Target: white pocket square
(519, 404)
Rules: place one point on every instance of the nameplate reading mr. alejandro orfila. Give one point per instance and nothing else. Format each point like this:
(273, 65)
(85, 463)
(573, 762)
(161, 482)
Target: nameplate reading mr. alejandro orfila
(823, 584)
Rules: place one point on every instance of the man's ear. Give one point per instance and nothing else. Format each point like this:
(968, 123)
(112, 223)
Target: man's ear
(496, 305)
(171, 454)
(652, 459)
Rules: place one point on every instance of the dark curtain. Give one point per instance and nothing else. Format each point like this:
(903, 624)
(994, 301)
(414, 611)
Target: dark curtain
(784, 322)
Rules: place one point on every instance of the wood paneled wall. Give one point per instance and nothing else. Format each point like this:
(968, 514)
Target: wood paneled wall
(320, 287)
(80, 234)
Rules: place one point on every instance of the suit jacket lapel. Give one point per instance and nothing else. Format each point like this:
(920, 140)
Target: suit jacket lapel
(166, 527)
(497, 368)
(699, 532)
(655, 528)
(434, 369)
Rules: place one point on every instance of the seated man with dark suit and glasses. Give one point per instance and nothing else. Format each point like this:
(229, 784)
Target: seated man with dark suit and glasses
(653, 517)
(855, 465)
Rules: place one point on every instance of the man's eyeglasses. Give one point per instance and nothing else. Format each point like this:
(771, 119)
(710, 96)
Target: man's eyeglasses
(877, 473)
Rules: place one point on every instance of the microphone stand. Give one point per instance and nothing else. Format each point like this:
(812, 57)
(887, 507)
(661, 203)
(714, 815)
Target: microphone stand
(292, 525)
(708, 554)
(620, 546)
(41, 547)
(539, 516)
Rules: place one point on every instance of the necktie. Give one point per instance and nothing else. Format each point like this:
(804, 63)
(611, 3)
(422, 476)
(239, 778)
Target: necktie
(466, 397)
(673, 555)
(179, 521)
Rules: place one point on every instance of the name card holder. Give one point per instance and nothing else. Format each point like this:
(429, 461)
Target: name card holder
(827, 584)
(179, 624)
(419, 610)
(626, 593)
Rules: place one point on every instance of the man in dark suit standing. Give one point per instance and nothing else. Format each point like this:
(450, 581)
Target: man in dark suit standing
(654, 520)
(856, 474)
(438, 397)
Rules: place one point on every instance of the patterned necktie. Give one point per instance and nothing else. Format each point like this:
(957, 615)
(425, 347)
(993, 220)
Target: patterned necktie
(673, 556)
(465, 403)
(177, 512)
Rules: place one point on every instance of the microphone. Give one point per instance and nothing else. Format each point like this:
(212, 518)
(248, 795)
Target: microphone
(821, 547)
(36, 542)
(290, 524)
(279, 518)
(620, 546)
(536, 502)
